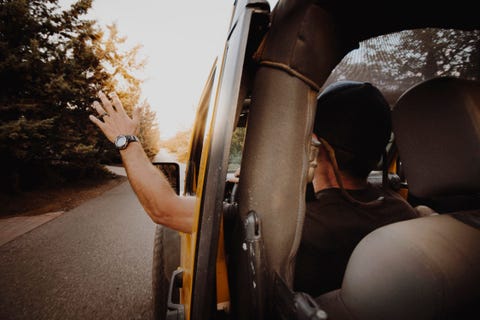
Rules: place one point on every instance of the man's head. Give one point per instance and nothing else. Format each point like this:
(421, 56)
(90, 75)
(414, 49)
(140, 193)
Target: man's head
(354, 118)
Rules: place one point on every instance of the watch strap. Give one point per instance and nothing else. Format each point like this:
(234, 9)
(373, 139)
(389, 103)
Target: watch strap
(131, 138)
(128, 138)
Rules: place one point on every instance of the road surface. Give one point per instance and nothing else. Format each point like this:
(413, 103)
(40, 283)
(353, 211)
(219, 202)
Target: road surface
(93, 262)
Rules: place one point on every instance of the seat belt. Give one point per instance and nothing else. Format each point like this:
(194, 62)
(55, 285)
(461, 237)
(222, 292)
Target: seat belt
(295, 305)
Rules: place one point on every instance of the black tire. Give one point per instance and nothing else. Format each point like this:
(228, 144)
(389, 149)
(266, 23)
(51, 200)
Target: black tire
(166, 259)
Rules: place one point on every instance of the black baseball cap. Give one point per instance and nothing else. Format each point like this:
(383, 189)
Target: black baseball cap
(354, 118)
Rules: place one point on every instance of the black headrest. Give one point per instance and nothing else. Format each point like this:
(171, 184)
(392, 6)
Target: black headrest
(437, 130)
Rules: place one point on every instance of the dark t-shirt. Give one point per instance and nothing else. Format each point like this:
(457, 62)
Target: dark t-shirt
(333, 227)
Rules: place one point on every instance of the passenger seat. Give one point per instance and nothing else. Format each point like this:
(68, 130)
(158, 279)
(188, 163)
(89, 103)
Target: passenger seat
(437, 131)
(425, 268)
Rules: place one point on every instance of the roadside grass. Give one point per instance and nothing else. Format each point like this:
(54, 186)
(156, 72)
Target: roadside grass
(51, 199)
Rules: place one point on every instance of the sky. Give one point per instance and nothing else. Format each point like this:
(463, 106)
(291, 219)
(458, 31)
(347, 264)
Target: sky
(180, 40)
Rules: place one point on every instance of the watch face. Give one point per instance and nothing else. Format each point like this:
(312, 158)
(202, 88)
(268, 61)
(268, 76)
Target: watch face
(121, 141)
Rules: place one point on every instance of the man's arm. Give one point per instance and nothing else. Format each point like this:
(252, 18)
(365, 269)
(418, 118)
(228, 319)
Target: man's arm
(152, 188)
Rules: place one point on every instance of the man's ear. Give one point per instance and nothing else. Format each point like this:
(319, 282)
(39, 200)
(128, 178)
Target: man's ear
(312, 158)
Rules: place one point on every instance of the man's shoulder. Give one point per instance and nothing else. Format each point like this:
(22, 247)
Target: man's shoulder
(394, 203)
(332, 200)
(327, 201)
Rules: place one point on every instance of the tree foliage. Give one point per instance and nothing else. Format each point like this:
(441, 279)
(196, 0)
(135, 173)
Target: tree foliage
(48, 72)
(52, 64)
(179, 144)
(149, 132)
(397, 61)
(123, 66)
(236, 148)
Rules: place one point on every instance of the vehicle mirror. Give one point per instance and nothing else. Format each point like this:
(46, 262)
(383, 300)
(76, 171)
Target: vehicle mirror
(171, 170)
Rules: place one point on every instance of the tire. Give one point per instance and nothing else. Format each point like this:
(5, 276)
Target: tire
(166, 259)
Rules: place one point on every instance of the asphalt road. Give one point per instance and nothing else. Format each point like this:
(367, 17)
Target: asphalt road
(93, 262)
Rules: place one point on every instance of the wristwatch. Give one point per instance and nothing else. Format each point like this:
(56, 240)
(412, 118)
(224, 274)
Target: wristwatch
(122, 141)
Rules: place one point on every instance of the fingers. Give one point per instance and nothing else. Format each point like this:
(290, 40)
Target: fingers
(136, 114)
(97, 121)
(117, 103)
(106, 103)
(96, 105)
(104, 127)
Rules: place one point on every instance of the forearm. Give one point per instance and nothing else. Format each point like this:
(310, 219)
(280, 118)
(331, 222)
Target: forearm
(154, 192)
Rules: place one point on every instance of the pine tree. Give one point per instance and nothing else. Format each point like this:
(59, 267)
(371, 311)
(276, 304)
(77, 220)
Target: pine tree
(49, 74)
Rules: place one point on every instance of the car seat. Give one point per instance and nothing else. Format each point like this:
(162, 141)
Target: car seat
(429, 267)
(437, 131)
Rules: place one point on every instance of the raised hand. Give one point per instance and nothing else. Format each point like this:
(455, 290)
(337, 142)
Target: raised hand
(112, 118)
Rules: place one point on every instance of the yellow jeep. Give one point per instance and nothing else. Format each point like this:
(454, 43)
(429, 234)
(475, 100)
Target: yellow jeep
(261, 94)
